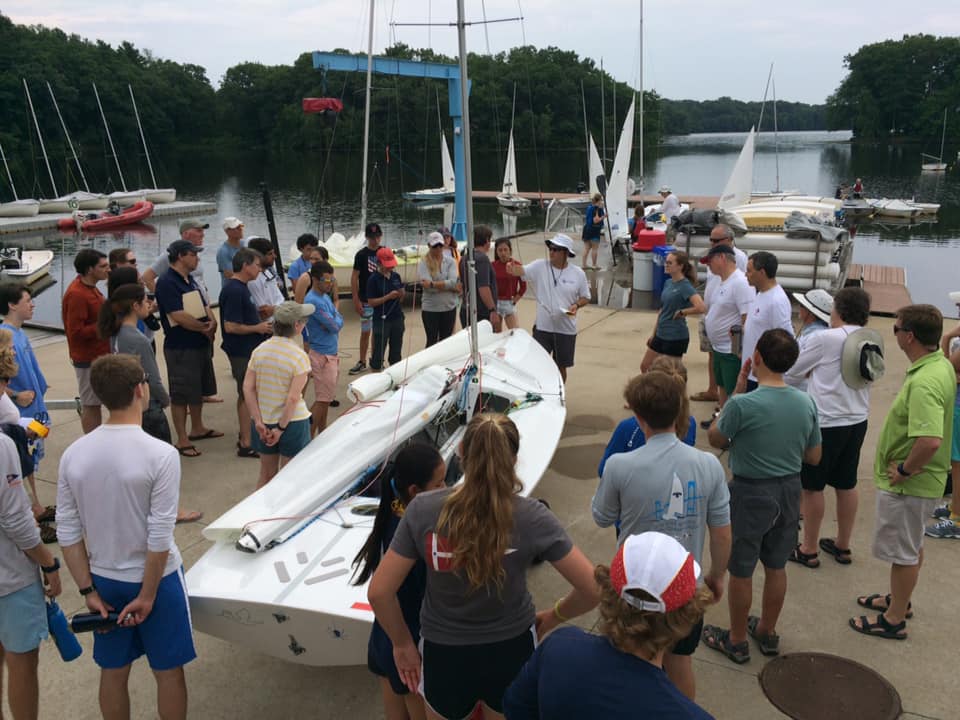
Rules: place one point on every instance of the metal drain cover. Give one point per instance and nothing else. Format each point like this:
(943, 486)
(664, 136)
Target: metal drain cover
(818, 686)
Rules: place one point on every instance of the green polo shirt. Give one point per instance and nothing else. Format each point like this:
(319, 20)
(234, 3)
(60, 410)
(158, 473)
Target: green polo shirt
(922, 408)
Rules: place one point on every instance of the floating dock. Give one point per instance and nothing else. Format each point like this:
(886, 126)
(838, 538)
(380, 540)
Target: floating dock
(887, 285)
(697, 201)
(48, 221)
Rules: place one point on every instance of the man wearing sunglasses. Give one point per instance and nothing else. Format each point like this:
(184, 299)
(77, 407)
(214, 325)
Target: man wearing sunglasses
(561, 289)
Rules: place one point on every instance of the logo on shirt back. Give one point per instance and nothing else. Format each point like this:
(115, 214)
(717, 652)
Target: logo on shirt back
(13, 480)
(439, 552)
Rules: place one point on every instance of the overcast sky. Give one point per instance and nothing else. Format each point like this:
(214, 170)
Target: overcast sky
(693, 49)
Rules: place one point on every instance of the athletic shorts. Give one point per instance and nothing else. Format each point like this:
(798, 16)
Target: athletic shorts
(23, 619)
(764, 515)
(380, 659)
(292, 440)
(673, 348)
(506, 308)
(88, 398)
(455, 678)
(238, 370)
(898, 530)
(955, 448)
(726, 368)
(688, 645)
(165, 637)
(366, 319)
(841, 456)
(559, 345)
(325, 370)
(190, 375)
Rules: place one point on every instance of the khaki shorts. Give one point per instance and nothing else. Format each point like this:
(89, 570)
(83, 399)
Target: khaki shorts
(325, 370)
(898, 535)
(88, 398)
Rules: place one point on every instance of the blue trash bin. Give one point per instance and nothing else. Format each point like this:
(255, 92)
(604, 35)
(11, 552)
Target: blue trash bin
(659, 272)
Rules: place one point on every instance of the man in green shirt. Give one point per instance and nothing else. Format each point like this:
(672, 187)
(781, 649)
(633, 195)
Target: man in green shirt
(911, 466)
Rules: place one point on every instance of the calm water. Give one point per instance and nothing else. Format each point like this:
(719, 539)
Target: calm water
(697, 164)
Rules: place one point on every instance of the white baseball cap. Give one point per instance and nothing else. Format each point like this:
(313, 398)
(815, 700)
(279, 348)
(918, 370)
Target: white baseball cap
(435, 239)
(658, 565)
(232, 223)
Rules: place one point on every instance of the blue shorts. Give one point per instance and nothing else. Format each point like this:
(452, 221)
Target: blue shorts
(955, 447)
(366, 319)
(165, 637)
(23, 619)
(292, 440)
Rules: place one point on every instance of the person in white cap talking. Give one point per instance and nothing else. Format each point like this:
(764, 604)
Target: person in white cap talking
(649, 599)
(670, 207)
(233, 227)
(561, 289)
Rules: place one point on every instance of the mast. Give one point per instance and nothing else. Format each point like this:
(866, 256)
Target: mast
(40, 137)
(106, 127)
(776, 141)
(641, 100)
(586, 128)
(13, 188)
(146, 152)
(66, 134)
(468, 187)
(603, 118)
(366, 124)
(943, 135)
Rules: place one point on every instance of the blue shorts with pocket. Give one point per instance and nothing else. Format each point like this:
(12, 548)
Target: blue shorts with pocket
(23, 619)
(165, 637)
(366, 319)
(292, 440)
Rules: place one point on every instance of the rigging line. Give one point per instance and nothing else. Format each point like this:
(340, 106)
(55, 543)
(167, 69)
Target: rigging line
(426, 123)
(454, 24)
(523, 32)
(321, 189)
(533, 127)
(486, 31)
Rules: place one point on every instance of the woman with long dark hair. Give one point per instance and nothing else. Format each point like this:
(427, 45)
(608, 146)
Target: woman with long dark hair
(416, 468)
(477, 539)
(678, 300)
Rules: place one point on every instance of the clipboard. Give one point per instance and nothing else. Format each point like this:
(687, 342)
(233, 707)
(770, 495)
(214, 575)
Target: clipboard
(192, 305)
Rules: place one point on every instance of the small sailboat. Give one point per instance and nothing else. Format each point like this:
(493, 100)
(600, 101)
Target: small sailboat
(154, 195)
(16, 207)
(508, 197)
(54, 204)
(81, 199)
(25, 266)
(936, 164)
(449, 179)
(894, 208)
(594, 170)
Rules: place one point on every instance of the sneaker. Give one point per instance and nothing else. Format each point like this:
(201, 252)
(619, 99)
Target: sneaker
(945, 528)
(942, 511)
(360, 367)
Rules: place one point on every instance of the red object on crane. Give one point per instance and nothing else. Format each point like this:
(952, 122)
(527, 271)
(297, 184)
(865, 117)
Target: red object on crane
(319, 105)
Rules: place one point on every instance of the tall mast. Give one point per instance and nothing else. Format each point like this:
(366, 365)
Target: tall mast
(40, 136)
(106, 127)
(366, 124)
(943, 135)
(66, 134)
(776, 141)
(603, 117)
(641, 99)
(142, 138)
(13, 188)
(586, 128)
(468, 186)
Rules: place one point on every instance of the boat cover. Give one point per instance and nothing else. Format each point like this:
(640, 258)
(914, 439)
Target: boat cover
(701, 222)
(319, 105)
(800, 225)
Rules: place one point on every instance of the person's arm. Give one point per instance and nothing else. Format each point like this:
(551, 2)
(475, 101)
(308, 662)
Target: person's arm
(423, 275)
(721, 539)
(812, 455)
(253, 405)
(332, 323)
(922, 452)
(724, 426)
(235, 328)
(44, 558)
(605, 505)
(301, 287)
(382, 594)
(189, 322)
(149, 363)
(583, 298)
(378, 301)
(149, 278)
(355, 291)
(945, 342)
(76, 321)
(294, 397)
(697, 306)
(810, 355)
(583, 596)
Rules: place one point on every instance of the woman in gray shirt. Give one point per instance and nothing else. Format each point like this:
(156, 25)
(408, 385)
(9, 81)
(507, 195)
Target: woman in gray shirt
(441, 289)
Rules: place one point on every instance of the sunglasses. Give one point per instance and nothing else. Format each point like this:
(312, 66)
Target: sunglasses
(900, 328)
(554, 248)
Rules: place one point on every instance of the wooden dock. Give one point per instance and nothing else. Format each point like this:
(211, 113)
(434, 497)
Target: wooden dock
(886, 284)
(48, 221)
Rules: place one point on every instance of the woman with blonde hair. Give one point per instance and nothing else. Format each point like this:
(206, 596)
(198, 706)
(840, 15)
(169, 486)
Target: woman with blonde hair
(478, 622)
(649, 600)
(679, 299)
(437, 272)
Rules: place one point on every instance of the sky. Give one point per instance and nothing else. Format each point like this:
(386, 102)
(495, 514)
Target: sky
(692, 49)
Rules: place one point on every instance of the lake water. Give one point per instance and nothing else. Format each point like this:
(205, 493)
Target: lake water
(814, 162)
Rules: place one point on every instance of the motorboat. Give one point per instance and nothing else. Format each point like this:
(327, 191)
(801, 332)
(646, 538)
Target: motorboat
(19, 208)
(508, 197)
(25, 266)
(107, 221)
(277, 579)
(894, 208)
(856, 209)
(449, 180)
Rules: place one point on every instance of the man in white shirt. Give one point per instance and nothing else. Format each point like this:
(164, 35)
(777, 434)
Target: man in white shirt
(561, 289)
(670, 207)
(770, 309)
(727, 308)
(265, 288)
(117, 498)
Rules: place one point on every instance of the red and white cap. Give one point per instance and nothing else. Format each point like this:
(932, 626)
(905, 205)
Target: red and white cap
(658, 565)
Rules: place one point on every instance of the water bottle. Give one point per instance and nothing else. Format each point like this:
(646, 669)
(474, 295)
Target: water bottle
(91, 621)
(66, 641)
(736, 339)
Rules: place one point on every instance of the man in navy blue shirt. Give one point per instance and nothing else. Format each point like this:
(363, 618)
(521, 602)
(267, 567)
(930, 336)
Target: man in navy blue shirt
(242, 332)
(189, 329)
(385, 294)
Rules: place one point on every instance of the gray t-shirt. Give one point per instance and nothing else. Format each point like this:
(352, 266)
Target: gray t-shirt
(665, 486)
(486, 277)
(452, 612)
(439, 299)
(131, 341)
(18, 529)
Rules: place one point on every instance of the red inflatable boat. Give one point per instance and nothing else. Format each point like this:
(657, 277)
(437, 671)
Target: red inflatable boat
(133, 214)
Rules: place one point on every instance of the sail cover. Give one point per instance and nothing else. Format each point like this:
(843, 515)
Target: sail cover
(319, 105)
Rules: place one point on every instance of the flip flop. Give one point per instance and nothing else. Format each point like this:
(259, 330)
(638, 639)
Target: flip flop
(188, 451)
(208, 435)
(189, 516)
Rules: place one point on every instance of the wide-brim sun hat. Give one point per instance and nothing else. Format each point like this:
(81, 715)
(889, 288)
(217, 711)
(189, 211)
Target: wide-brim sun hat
(818, 301)
(861, 360)
(561, 240)
(955, 297)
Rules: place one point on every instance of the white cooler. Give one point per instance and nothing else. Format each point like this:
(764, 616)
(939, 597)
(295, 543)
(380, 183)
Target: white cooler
(642, 270)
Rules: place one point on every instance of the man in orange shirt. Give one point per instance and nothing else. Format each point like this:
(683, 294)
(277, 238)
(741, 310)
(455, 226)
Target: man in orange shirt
(80, 308)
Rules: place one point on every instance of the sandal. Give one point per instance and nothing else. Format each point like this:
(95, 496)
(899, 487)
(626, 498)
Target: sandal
(769, 642)
(49, 514)
(882, 628)
(810, 560)
(188, 451)
(841, 556)
(48, 534)
(246, 452)
(704, 396)
(870, 603)
(208, 435)
(716, 638)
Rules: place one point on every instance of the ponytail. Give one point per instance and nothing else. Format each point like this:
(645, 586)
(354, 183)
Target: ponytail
(117, 307)
(689, 271)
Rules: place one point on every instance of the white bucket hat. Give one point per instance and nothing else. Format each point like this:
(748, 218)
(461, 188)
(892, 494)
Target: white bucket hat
(561, 240)
(818, 301)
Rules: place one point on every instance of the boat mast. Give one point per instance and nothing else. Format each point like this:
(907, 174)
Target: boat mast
(468, 189)
(13, 187)
(641, 102)
(366, 123)
(776, 141)
(586, 128)
(106, 127)
(146, 152)
(943, 135)
(603, 117)
(66, 134)
(42, 146)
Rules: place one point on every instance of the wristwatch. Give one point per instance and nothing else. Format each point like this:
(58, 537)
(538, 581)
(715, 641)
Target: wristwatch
(51, 568)
(281, 428)
(902, 472)
(87, 590)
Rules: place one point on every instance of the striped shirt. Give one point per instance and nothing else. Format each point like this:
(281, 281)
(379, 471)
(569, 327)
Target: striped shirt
(276, 362)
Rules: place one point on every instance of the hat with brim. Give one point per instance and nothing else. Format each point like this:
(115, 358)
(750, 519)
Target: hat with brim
(386, 258)
(664, 190)
(718, 249)
(192, 225)
(561, 240)
(290, 312)
(818, 301)
(861, 360)
(955, 297)
(657, 565)
(435, 239)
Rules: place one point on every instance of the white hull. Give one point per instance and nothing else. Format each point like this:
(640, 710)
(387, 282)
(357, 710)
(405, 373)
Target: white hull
(934, 167)
(926, 208)
(161, 195)
(294, 600)
(894, 209)
(512, 202)
(34, 264)
(127, 199)
(89, 201)
(430, 195)
(576, 203)
(19, 208)
(55, 205)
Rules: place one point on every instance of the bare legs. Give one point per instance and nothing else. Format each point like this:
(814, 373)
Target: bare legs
(741, 596)
(179, 415)
(364, 345)
(812, 506)
(269, 465)
(243, 417)
(24, 690)
(648, 359)
(115, 696)
(512, 321)
(318, 422)
(679, 669)
(400, 707)
(90, 418)
(171, 694)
